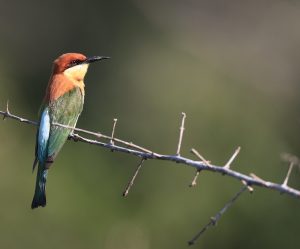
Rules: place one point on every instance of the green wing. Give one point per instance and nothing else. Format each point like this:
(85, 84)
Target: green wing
(65, 110)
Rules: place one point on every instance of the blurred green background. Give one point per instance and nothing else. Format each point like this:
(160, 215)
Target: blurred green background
(232, 66)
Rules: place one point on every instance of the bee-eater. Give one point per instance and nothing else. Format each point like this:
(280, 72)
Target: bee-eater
(62, 104)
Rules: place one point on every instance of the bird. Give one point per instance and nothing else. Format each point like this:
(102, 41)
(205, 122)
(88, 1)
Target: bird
(62, 104)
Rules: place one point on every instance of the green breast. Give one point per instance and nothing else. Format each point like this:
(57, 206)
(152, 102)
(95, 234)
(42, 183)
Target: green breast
(65, 110)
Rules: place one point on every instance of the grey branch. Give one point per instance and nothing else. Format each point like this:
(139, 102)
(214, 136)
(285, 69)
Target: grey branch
(138, 151)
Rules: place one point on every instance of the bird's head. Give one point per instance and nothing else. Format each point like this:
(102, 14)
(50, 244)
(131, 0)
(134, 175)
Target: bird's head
(74, 65)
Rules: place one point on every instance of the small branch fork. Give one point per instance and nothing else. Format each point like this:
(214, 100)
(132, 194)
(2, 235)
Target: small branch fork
(118, 145)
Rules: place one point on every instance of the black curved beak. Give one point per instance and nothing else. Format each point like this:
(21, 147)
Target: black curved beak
(95, 58)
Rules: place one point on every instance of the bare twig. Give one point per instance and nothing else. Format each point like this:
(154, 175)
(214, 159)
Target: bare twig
(130, 183)
(141, 152)
(113, 131)
(213, 220)
(197, 154)
(286, 180)
(181, 133)
(227, 165)
(194, 181)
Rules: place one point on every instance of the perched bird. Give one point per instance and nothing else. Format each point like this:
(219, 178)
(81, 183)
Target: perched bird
(62, 104)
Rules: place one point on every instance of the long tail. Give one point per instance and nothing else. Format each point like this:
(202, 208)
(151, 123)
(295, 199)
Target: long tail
(39, 198)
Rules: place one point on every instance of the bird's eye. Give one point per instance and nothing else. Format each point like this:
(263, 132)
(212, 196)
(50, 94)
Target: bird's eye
(75, 62)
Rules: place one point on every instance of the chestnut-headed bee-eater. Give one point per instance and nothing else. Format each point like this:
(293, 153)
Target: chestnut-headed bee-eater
(62, 104)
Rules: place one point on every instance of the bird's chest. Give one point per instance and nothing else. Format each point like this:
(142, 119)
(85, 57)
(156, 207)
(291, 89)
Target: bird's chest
(68, 105)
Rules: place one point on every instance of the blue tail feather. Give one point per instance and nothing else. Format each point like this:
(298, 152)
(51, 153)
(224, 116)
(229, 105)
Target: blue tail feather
(39, 198)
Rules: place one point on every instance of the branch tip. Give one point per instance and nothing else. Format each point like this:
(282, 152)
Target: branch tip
(194, 181)
(248, 186)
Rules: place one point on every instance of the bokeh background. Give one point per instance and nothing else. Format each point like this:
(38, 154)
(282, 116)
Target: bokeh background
(232, 66)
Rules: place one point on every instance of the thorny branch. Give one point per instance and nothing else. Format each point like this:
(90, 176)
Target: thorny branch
(116, 144)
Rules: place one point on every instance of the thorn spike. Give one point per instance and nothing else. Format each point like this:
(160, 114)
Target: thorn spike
(181, 133)
(236, 152)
